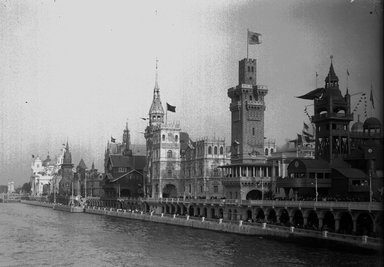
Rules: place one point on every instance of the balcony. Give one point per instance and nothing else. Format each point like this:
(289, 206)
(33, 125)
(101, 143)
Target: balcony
(332, 115)
(303, 182)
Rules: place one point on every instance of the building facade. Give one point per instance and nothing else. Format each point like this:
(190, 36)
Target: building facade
(250, 175)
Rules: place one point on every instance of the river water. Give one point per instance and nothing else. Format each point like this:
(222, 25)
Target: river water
(38, 236)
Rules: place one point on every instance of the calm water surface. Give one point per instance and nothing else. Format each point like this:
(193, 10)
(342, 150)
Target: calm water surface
(38, 236)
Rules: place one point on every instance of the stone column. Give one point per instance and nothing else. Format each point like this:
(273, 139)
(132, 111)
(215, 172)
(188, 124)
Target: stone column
(320, 222)
(354, 220)
(337, 224)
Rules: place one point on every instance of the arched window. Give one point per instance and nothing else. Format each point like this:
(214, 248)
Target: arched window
(249, 68)
(169, 173)
(250, 98)
(266, 151)
(163, 137)
(221, 150)
(176, 138)
(209, 150)
(169, 154)
(271, 150)
(252, 68)
(215, 150)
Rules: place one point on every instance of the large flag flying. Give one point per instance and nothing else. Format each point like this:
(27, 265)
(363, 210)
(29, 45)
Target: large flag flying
(113, 139)
(171, 108)
(254, 38)
(371, 98)
(306, 127)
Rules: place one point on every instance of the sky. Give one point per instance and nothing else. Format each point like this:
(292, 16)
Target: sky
(79, 70)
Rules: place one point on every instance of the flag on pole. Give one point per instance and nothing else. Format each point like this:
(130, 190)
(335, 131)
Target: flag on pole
(33, 156)
(306, 127)
(347, 72)
(254, 38)
(171, 108)
(371, 98)
(144, 119)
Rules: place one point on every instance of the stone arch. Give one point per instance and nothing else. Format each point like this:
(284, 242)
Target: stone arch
(260, 216)
(190, 210)
(364, 224)
(221, 213)
(297, 218)
(254, 195)
(249, 214)
(213, 212)
(229, 214)
(169, 191)
(379, 224)
(272, 215)
(283, 216)
(234, 214)
(346, 223)
(328, 221)
(205, 212)
(145, 207)
(312, 219)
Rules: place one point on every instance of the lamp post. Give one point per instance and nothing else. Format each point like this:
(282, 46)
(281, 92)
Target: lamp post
(316, 187)
(370, 185)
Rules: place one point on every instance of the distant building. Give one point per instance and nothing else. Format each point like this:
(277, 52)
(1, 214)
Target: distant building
(44, 174)
(123, 175)
(11, 187)
(67, 183)
(200, 168)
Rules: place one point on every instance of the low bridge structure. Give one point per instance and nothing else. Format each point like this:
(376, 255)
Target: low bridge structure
(361, 218)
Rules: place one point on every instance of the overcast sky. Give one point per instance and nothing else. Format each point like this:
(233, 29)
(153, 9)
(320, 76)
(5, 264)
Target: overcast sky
(81, 69)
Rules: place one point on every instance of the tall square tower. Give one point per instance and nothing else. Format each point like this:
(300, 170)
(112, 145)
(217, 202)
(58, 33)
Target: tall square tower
(247, 115)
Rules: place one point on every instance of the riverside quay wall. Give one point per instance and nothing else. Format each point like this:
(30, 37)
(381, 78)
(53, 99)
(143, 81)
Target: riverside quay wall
(360, 218)
(323, 238)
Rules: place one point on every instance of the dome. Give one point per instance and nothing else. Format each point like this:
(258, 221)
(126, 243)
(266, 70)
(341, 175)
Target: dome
(372, 123)
(357, 127)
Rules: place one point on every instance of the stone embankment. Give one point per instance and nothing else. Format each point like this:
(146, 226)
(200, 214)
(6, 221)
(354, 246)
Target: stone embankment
(325, 238)
(37, 203)
(311, 237)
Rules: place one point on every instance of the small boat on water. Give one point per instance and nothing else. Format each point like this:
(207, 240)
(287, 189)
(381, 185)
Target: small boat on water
(68, 208)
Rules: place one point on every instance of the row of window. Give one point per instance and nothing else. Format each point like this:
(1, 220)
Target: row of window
(176, 138)
(215, 150)
(215, 189)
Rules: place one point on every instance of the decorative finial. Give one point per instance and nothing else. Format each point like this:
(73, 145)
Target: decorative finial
(331, 58)
(156, 79)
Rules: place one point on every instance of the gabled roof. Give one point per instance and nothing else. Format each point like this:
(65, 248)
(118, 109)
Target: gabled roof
(125, 174)
(119, 161)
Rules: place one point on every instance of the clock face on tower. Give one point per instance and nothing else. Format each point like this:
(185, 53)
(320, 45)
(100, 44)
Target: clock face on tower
(370, 150)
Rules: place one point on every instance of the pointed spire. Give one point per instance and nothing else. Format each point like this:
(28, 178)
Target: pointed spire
(93, 165)
(331, 80)
(157, 77)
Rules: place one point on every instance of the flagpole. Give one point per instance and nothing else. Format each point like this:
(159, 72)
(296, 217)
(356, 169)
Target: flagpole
(316, 81)
(247, 42)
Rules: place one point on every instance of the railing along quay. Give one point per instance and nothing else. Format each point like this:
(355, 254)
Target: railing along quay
(370, 206)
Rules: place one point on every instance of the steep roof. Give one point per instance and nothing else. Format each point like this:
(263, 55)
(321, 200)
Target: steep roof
(82, 165)
(119, 161)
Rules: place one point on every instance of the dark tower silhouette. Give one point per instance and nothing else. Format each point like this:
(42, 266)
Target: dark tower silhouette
(332, 115)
